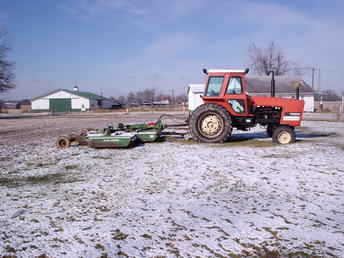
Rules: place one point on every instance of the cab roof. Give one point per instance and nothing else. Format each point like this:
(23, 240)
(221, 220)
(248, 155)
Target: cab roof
(225, 71)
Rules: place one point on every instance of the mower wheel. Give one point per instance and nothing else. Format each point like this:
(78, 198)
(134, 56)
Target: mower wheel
(62, 142)
(210, 123)
(283, 135)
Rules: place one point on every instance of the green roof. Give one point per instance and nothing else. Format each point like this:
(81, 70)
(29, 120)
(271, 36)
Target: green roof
(85, 94)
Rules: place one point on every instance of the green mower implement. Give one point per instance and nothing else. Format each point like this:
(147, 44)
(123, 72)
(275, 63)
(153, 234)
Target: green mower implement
(122, 136)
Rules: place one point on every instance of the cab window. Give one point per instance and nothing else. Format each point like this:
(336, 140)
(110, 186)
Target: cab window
(234, 86)
(214, 86)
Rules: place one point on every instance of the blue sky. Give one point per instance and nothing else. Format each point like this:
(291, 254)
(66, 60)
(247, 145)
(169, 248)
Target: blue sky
(117, 46)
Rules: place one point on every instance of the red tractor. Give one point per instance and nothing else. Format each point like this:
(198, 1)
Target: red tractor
(227, 105)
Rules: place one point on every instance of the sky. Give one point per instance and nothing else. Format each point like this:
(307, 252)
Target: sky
(111, 47)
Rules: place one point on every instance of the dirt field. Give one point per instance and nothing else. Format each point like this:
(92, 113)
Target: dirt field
(175, 198)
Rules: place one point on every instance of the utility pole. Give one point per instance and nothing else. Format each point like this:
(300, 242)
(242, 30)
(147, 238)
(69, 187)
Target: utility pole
(173, 96)
(319, 80)
(313, 71)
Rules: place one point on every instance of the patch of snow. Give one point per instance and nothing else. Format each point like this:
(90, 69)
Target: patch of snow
(172, 198)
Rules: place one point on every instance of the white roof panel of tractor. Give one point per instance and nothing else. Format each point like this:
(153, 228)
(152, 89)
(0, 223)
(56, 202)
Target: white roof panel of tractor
(226, 70)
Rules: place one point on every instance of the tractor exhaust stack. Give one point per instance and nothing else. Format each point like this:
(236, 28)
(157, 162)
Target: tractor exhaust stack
(298, 93)
(272, 82)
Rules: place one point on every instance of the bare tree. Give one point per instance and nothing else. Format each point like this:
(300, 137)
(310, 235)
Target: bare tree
(6, 67)
(139, 97)
(327, 95)
(148, 95)
(272, 58)
(182, 98)
(131, 98)
(122, 100)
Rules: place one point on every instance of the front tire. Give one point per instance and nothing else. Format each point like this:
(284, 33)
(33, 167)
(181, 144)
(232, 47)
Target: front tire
(283, 135)
(210, 123)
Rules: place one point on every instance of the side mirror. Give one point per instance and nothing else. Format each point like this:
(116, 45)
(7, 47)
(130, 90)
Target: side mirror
(205, 71)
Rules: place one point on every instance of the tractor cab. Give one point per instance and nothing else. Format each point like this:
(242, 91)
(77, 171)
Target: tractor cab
(228, 87)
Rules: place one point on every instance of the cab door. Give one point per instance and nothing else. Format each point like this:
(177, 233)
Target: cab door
(235, 95)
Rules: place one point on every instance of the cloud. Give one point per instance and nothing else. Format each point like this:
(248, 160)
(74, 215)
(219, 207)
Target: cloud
(182, 37)
(310, 40)
(146, 14)
(178, 57)
(164, 64)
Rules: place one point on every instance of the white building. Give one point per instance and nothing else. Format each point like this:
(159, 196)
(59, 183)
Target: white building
(194, 95)
(62, 100)
(260, 86)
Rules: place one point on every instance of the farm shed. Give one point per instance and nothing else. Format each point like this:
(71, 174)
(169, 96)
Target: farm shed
(63, 100)
(260, 86)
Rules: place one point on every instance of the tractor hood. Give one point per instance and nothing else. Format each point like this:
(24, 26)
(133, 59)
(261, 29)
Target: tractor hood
(291, 109)
(287, 105)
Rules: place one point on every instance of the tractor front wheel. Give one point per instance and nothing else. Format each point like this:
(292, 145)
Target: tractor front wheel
(283, 135)
(210, 123)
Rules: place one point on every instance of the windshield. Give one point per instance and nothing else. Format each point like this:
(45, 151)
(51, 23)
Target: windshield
(214, 86)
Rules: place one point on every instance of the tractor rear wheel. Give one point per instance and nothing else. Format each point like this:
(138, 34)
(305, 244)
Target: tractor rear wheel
(283, 135)
(210, 123)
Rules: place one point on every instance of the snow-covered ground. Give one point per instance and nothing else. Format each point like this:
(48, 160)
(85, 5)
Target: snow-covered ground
(175, 198)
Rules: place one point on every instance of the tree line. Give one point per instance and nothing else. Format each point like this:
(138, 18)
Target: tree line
(149, 97)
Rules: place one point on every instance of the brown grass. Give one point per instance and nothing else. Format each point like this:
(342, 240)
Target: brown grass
(56, 178)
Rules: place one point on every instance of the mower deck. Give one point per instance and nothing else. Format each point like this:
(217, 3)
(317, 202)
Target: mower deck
(123, 136)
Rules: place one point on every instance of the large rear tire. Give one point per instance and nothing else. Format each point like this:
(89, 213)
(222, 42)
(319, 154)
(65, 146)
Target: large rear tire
(210, 123)
(283, 135)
